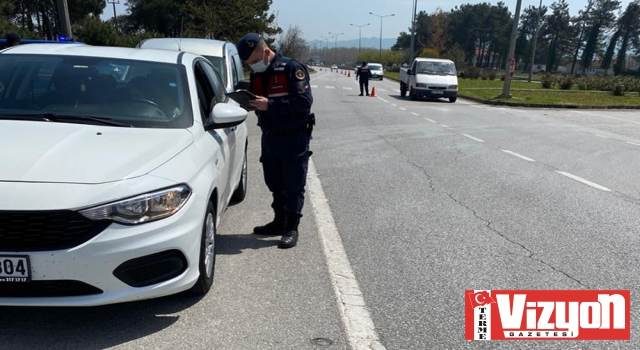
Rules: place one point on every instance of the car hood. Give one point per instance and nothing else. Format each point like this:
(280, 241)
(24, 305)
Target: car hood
(437, 79)
(83, 154)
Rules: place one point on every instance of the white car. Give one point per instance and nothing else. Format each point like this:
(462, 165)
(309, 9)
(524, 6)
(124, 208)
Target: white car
(115, 166)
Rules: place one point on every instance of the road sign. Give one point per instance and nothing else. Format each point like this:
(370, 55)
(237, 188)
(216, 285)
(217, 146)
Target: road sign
(512, 67)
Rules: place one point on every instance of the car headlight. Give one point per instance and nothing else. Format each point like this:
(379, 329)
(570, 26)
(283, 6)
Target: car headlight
(144, 208)
(453, 87)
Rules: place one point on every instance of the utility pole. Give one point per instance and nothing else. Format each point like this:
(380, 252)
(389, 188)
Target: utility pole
(115, 18)
(535, 41)
(65, 22)
(324, 52)
(359, 36)
(512, 50)
(413, 32)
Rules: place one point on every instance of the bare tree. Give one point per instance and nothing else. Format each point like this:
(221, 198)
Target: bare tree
(438, 31)
(291, 44)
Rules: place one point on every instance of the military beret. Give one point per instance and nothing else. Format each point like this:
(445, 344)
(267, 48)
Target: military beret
(247, 44)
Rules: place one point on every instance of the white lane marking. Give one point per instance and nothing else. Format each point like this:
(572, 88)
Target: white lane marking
(473, 138)
(604, 137)
(584, 181)
(347, 88)
(416, 114)
(383, 99)
(359, 326)
(633, 143)
(395, 105)
(314, 86)
(518, 155)
(381, 89)
(330, 87)
(402, 108)
(444, 126)
(430, 120)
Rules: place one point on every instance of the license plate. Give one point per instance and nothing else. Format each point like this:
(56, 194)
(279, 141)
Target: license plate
(437, 92)
(14, 268)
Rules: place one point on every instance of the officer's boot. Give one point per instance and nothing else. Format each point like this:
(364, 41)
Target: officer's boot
(274, 228)
(290, 237)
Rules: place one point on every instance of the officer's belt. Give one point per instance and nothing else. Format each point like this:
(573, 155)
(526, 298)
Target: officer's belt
(284, 132)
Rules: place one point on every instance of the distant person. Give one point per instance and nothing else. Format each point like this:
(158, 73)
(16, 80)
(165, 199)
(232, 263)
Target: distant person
(364, 73)
(12, 39)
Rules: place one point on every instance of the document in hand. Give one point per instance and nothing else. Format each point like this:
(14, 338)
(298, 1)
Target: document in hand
(243, 97)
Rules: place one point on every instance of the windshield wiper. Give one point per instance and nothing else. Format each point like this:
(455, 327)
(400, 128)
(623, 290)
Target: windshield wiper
(62, 118)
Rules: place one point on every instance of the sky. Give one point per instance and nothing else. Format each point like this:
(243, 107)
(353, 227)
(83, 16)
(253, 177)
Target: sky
(318, 18)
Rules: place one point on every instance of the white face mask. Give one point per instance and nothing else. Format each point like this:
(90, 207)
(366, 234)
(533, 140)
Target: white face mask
(259, 66)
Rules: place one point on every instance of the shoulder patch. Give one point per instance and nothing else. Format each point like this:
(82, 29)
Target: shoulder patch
(300, 74)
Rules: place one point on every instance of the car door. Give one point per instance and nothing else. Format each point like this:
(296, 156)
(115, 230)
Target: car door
(209, 96)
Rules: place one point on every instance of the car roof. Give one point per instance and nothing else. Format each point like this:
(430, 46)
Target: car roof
(3, 42)
(205, 47)
(95, 51)
(433, 59)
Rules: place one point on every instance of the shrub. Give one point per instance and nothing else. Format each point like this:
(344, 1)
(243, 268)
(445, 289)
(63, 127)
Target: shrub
(565, 82)
(547, 81)
(618, 89)
(492, 76)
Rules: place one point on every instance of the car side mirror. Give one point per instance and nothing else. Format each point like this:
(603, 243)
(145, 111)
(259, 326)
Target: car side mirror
(409, 71)
(225, 115)
(243, 85)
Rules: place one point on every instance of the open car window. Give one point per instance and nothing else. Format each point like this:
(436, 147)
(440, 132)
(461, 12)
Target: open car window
(136, 93)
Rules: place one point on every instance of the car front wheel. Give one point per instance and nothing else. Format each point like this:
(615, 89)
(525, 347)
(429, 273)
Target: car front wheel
(207, 258)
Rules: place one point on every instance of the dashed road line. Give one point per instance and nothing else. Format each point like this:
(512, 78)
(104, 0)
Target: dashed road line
(584, 181)
(314, 86)
(604, 137)
(347, 88)
(430, 120)
(329, 87)
(518, 155)
(395, 105)
(633, 143)
(444, 126)
(416, 114)
(472, 137)
(383, 99)
(402, 108)
(359, 326)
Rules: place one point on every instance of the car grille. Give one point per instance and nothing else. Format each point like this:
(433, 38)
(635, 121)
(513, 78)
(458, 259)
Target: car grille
(45, 230)
(53, 288)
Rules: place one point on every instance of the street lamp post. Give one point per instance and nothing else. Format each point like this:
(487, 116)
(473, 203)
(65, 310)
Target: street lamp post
(326, 39)
(535, 41)
(413, 32)
(359, 35)
(381, 17)
(335, 47)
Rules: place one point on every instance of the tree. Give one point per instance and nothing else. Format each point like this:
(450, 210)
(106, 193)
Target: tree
(291, 44)
(599, 20)
(628, 30)
(230, 19)
(557, 33)
(438, 31)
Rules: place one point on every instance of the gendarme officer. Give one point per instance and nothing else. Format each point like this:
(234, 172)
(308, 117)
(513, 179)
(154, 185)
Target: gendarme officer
(284, 115)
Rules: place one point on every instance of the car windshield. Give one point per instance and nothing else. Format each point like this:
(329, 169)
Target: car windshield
(125, 92)
(375, 66)
(436, 68)
(218, 64)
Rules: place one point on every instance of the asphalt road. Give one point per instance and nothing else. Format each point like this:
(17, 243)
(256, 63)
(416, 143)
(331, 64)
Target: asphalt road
(429, 199)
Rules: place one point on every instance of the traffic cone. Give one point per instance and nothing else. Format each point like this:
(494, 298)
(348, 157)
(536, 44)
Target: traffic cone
(373, 91)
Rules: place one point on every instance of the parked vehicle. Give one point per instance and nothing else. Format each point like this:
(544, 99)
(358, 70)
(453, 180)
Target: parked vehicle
(377, 72)
(430, 77)
(334, 68)
(115, 183)
(223, 55)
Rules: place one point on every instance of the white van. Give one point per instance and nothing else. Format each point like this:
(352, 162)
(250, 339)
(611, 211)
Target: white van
(377, 71)
(430, 77)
